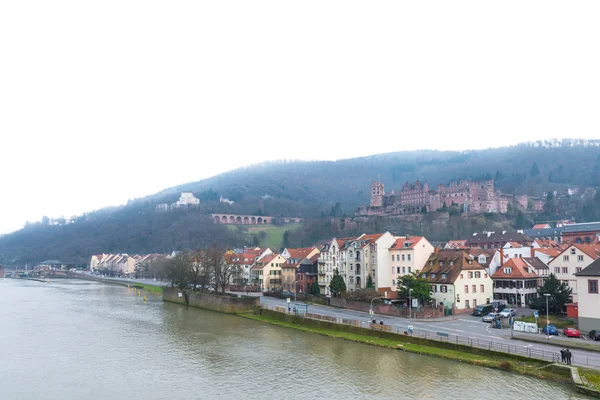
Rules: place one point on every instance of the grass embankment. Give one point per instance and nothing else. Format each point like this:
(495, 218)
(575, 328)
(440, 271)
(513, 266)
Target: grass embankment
(560, 322)
(528, 367)
(149, 288)
(590, 378)
(273, 234)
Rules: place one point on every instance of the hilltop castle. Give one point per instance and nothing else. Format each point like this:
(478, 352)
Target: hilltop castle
(471, 196)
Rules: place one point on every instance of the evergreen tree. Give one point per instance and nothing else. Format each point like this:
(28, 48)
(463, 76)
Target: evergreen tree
(420, 286)
(535, 171)
(337, 285)
(370, 284)
(560, 294)
(315, 290)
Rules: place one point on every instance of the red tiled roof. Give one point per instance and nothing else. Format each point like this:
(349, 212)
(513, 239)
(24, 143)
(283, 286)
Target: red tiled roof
(548, 251)
(457, 244)
(373, 236)
(518, 270)
(541, 226)
(300, 252)
(412, 241)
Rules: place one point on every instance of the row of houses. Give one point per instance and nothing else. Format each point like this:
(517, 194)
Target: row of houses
(122, 263)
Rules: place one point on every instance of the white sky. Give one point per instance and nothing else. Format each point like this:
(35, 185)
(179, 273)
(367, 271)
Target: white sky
(109, 100)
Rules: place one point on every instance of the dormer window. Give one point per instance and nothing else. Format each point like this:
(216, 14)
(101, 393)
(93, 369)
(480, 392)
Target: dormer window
(424, 276)
(451, 262)
(430, 262)
(444, 276)
(508, 271)
(433, 275)
(441, 262)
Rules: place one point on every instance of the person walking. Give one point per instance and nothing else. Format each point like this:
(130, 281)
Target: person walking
(381, 322)
(569, 355)
(563, 355)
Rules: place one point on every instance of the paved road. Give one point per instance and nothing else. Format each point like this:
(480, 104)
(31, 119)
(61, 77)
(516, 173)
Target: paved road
(466, 326)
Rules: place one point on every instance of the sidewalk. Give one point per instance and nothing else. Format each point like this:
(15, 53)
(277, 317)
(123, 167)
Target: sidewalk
(559, 341)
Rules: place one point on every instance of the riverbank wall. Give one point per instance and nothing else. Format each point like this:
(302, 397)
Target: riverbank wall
(213, 302)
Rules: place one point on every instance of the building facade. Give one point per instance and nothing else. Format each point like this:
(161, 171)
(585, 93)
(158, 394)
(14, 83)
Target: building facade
(589, 297)
(573, 260)
(407, 255)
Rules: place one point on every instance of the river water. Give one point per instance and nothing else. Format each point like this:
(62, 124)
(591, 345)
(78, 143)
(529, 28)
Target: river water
(87, 340)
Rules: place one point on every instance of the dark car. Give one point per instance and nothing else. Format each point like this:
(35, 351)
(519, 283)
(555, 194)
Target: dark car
(499, 304)
(483, 310)
(594, 335)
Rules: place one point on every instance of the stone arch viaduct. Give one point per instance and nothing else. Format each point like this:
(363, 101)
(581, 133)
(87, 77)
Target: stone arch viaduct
(235, 219)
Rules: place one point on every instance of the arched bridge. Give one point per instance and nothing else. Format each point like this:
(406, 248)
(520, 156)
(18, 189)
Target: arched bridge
(235, 219)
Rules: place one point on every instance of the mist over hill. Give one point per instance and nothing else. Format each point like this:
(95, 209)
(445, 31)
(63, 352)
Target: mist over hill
(315, 190)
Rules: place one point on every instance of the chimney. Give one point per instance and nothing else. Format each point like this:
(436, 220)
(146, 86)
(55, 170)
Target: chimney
(532, 252)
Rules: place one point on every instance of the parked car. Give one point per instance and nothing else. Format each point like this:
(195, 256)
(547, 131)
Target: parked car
(550, 330)
(483, 310)
(490, 317)
(594, 335)
(571, 332)
(508, 312)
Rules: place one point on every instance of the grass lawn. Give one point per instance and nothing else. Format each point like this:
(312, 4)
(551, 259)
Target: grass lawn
(590, 378)
(274, 233)
(529, 367)
(149, 288)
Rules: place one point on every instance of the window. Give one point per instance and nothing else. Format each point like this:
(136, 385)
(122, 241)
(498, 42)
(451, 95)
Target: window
(434, 288)
(557, 270)
(409, 270)
(433, 275)
(481, 288)
(477, 274)
(566, 258)
(485, 275)
(573, 251)
(470, 275)
(593, 286)
(508, 271)
(474, 288)
(424, 276)
(403, 270)
(579, 258)
(467, 304)
(408, 257)
(402, 257)
(444, 276)
(444, 289)
(398, 269)
(461, 276)
(466, 288)
(565, 270)
(394, 282)
(578, 269)
(451, 262)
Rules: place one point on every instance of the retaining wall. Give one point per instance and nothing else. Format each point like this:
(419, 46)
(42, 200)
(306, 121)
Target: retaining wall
(213, 302)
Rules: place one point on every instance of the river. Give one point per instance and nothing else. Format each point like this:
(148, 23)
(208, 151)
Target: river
(76, 339)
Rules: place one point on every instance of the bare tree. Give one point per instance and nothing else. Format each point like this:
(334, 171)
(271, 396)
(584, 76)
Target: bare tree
(221, 270)
(178, 270)
(200, 268)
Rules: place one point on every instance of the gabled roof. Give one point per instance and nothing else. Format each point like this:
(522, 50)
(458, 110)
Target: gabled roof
(592, 250)
(498, 237)
(264, 261)
(410, 243)
(541, 226)
(457, 244)
(548, 251)
(582, 227)
(300, 252)
(535, 262)
(591, 270)
(518, 270)
(440, 264)
(512, 245)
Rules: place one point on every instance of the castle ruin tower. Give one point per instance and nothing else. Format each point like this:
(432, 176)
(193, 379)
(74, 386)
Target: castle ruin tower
(377, 193)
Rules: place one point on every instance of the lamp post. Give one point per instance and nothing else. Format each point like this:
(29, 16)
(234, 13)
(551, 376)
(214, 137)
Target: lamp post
(410, 303)
(547, 321)
(371, 313)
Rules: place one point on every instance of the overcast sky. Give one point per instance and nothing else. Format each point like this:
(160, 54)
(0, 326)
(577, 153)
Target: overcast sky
(109, 100)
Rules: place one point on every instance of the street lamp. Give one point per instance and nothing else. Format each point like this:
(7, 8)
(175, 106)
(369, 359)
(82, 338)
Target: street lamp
(547, 320)
(410, 303)
(371, 309)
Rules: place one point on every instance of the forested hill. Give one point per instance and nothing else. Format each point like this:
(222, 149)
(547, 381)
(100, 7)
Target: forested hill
(311, 190)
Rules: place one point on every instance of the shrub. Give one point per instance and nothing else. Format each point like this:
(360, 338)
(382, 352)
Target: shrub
(506, 365)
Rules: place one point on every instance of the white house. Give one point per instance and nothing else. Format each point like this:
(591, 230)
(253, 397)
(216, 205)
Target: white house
(457, 280)
(408, 254)
(589, 297)
(187, 198)
(572, 260)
